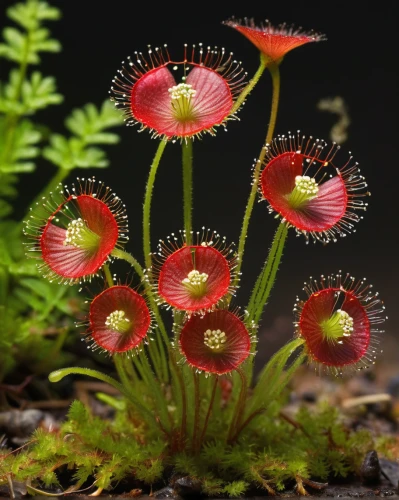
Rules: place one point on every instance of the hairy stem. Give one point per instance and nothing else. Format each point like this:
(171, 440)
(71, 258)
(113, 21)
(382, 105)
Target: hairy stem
(270, 278)
(254, 80)
(187, 161)
(58, 375)
(147, 203)
(275, 74)
(266, 278)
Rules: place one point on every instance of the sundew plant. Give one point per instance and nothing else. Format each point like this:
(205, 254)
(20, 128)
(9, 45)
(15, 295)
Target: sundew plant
(188, 402)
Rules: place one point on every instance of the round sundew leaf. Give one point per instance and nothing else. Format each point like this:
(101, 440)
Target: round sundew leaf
(328, 207)
(177, 267)
(235, 350)
(69, 261)
(100, 220)
(213, 100)
(319, 307)
(119, 298)
(320, 213)
(151, 102)
(273, 45)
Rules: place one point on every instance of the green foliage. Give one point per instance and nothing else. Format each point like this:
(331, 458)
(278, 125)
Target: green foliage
(25, 147)
(270, 456)
(37, 92)
(89, 127)
(23, 46)
(236, 488)
(37, 316)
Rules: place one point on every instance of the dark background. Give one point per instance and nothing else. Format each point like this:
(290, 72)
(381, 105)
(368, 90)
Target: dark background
(358, 63)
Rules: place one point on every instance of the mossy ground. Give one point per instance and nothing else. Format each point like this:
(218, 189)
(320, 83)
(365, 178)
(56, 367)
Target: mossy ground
(278, 450)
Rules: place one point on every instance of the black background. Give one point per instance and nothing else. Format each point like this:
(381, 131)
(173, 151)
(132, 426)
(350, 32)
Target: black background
(357, 62)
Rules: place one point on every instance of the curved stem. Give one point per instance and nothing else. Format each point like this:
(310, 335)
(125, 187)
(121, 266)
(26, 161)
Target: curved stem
(273, 379)
(121, 254)
(254, 80)
(147, 203)
(58, 375)
(246, 422)
(275, 74)
(187, 161)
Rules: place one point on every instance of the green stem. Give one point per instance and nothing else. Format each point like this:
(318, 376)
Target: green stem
(126, 372)
(241, 98)
(155, 390)
(246, 422)
(203, 433)
(272, 380)
(58, 375)
(265, 279)
(264, 273)
(121, 254)
(187, 161)
(123, 375)
(275, 74)
(162, 365)
(147, 203)
(183, 394)
(197, 404)
(270, 278)
(240, 406)
(108, 275)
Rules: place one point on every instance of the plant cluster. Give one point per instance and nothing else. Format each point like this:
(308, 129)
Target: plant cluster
(190, 403)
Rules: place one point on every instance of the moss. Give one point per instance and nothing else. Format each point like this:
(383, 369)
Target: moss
(271, 454)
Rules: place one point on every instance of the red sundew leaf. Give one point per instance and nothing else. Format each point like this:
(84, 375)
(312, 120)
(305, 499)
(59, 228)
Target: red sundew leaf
(100, 220)
(66, 260)
(119, 298)
(177, 267)
(151, 102)
(274, 41)
(235, 350)
(69, 261)
(213, 100)
(319, 307)
(328, 207)
(320, 213)
(274, 46)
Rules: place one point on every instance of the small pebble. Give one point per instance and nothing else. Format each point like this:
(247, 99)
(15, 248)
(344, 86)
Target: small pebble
(370, 468)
